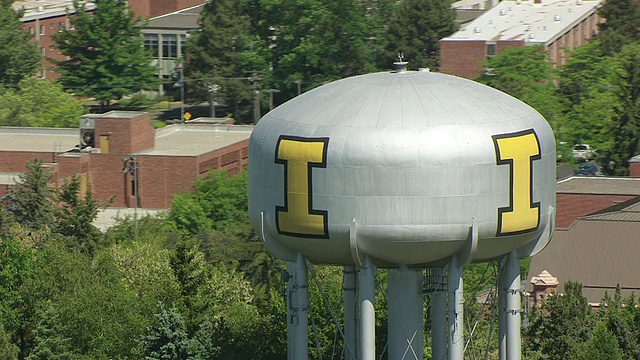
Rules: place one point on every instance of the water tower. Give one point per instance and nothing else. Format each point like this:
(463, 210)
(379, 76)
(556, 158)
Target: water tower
(402, 170)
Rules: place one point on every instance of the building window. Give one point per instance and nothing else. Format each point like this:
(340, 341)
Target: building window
(51, 26)
(43, 50)
(42, 27)
(169, 46)
(151, 44)
(183, 45)
(61, 26)
(491, 50)
(31, 31)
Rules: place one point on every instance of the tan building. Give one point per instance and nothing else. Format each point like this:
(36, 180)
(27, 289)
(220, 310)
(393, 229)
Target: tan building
(167, 160)
(554, 24)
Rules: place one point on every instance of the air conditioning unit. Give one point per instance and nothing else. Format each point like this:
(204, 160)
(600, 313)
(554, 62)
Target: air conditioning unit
(87, 130)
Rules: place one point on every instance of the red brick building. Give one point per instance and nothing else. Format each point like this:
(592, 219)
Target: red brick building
(554, 24)
(43, 18)
(167, 160)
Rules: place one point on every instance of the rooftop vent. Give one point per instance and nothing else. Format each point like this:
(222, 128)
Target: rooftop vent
(503, 12)
(532, 36)
(401, 65)
(578, 2)
(556, 18)
(476, 29)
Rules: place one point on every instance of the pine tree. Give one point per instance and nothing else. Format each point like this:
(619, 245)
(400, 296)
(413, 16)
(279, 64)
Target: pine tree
(167, 339)
(75, 217)
(416, 29)
(602, 345)
(215, 56)
(622, 25)
(19, 57)
(8, 351)
(106, 57)
(31, 201)
(50, 343)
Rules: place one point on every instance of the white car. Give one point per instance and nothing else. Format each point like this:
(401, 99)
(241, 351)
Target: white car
(583, 151)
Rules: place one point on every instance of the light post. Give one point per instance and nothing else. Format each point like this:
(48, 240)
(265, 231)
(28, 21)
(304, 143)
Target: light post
(131, 166)
(213, 94)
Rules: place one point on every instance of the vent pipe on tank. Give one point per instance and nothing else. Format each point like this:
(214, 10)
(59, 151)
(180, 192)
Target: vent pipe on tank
(400, 65)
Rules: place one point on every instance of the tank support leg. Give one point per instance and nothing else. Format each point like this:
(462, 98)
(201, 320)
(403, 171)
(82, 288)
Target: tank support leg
(456, 310)
(513, 320)
(405, 313)
(502, 311)
(438, 317)
(297, 309)
(350, 314)
(367, 311)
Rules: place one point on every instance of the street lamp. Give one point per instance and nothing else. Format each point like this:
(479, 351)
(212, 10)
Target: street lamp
(131, 166)
(213, 92)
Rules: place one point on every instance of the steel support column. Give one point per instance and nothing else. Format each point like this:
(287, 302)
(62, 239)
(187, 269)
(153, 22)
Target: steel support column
(350, 312)
(514, 307)
(405, 311)
(367, 311)
(456, 310)
(297, 309)
(438, 317)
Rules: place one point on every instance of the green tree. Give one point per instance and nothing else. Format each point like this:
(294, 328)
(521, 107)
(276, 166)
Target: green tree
(215, 56)
(8, 350)
(416, 30)
(167, 338)
(602, 345)
(562, 323)
(626, 111)
(622, 25)
(50, 343)
(525, 73)
(19, 57)
(31, 201)
(106, 59)
(75, 216)
(16, 267)
(39, 103)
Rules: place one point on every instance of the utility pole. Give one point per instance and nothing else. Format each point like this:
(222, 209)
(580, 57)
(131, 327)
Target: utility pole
(180, 84)
(299, 83)
(255, 86)
(131, 166)
(271, 92)
(213, 94)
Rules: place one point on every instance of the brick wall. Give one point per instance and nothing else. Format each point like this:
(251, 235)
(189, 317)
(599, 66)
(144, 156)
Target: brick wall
(462, 58)
(107, 179)
(126, 135)
(161, 176)
(232, 158)
(572, 206)
(15, 161)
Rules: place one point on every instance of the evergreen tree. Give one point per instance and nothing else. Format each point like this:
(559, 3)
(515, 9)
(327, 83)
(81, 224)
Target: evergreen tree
(19, 57)
(215, 56)
(190, 270)
(167, 339)
(8, 350)
(622, 25)
(602, 345)
(106, 59)
(416, 29)
(31, 201)
(50, 343)
(75, 217)
(562, 323)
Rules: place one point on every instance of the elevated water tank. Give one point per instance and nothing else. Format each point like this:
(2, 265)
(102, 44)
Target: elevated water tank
(396, 166)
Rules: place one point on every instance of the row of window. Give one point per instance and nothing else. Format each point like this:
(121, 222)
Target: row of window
(61, 26)
(169, 45)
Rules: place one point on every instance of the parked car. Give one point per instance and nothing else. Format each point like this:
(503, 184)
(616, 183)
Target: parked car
(583, 152)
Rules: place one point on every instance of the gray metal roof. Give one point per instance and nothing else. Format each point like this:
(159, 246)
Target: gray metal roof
(597, 253)
(193, 140)
(599, 185)
(525, 20)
